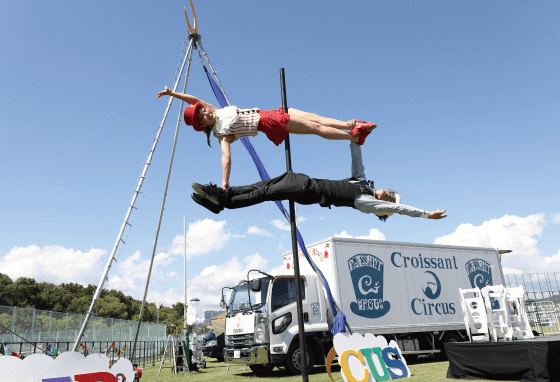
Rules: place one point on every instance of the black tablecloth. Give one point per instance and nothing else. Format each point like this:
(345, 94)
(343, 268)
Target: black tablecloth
(530, 360)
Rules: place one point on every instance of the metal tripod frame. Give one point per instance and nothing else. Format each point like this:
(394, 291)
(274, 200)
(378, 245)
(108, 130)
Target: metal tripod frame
(193, 37)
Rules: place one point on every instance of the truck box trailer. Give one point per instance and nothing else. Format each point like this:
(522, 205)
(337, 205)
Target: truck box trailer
(405, 291)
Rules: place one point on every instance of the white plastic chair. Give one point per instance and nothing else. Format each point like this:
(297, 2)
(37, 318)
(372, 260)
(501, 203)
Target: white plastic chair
(518, 314)
(498, 315)
(474, 313)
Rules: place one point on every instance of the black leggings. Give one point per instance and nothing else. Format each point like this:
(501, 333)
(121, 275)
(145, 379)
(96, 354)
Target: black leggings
(297, 187)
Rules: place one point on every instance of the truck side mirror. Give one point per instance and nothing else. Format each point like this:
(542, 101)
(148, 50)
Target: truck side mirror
(223, 303)
(256, 285)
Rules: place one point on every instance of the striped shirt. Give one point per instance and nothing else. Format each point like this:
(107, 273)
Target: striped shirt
(237, 122)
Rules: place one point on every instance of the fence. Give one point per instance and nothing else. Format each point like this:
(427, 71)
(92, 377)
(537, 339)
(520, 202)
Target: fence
(543, 299)
(39, 328)
(148, 353)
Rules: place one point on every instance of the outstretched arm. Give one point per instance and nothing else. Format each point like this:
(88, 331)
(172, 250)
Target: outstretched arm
(370, 205)
(226, 159)
(185, 97)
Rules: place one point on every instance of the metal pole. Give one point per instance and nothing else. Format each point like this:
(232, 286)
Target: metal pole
(185, 262)
(50, 323)
(186, 352)
(33, 325)
(213, 72)
(14, 325)
(302, 347)
(130, 207)
(187, 58)
(158, 305)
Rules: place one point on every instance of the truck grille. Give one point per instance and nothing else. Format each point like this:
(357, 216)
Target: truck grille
(241, 340)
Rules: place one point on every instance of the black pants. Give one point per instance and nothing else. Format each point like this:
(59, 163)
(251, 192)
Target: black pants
(298, 187)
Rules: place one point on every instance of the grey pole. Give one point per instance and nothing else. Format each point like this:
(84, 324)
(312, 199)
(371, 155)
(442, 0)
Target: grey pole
(299, 305)
(66, 328)
(214, 73)
(14, 324)
(130, 207)
(158, 305)
(185, 263)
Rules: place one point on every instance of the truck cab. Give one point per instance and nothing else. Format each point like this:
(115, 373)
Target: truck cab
(261, 324)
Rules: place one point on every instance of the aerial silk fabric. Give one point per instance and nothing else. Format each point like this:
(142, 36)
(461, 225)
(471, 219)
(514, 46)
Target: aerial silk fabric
(339, 321)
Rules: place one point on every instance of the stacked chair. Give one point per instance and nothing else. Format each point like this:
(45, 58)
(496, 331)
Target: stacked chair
(495, 313)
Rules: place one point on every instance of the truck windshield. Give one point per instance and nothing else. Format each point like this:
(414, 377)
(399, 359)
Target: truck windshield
(240, 297)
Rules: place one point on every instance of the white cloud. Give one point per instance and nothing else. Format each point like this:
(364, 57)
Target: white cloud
(203, 236)
(208, 270)
(555, 218)
(168, 298)
(284, 225)
(254, 230)
(509, 232)
(281, 224)
(173, 275)
(279, 269)
(208, 285)
(374, 234)
(53, 263)
(135, 269)
(342, 234)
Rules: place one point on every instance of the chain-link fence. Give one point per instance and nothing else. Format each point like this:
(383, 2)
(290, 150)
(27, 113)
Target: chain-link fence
(46, 326)
(543, 299)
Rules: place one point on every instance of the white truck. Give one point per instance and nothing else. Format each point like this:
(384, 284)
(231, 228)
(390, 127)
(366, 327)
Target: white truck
(405, 291)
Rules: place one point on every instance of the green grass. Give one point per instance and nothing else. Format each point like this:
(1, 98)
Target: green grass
(425, 369)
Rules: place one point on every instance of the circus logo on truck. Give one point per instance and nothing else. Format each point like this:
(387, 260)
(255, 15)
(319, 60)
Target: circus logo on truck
(431, 285)
(366, 272)
(479, 272)
(480, 276)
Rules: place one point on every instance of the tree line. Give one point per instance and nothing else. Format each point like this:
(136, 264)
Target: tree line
(74, 298)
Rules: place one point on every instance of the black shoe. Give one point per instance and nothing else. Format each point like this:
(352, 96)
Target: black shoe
(210, 192)
(206, 204)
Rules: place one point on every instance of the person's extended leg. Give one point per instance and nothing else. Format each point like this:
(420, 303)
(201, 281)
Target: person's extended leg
(329, 122)
(286, 186)
(357, 162)
(299, 125)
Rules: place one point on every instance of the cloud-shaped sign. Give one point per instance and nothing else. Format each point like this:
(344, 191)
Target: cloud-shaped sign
(367, 358)
(37, 367)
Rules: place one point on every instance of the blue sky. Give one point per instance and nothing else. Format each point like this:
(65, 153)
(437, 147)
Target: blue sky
(465, 96)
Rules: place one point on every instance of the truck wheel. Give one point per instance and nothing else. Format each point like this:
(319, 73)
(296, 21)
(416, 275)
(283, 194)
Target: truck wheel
(293, 360)
(261, 369)
(220, 359)
(448, 337)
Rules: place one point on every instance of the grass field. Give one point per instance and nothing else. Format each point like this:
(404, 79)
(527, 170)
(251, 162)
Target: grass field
(425, 369)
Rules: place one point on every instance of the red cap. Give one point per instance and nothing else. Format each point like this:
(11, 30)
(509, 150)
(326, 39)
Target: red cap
(191, 116)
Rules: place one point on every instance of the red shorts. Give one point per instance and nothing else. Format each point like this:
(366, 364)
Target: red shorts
(273, 124)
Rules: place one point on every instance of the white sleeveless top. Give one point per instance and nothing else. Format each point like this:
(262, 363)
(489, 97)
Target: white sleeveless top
(237, 122)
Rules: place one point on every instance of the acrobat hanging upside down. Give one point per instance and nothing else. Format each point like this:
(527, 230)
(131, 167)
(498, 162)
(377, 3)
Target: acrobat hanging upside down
(355, 192)
(230, 123)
